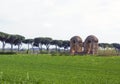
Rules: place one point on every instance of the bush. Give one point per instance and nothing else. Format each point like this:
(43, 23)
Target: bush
(7, 53)
(108, 53)
(54, 53)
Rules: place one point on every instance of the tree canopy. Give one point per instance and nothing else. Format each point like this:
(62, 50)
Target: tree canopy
(17, 40)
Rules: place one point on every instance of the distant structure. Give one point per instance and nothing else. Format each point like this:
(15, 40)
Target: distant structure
(75, 45)
(91, 45)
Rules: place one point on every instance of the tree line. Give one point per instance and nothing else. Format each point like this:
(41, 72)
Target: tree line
(18, 40)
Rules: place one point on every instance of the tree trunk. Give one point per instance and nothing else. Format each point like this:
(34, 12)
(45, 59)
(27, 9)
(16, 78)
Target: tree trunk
(11, 47)
(40, 47)
(28, 49)
(18, 47)
(33, 48)
(28, 46)
(3, 47)
(56, 48)
(64, 49)
(47, 48)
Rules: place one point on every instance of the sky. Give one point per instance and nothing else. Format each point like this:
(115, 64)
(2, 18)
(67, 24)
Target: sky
(62, 19)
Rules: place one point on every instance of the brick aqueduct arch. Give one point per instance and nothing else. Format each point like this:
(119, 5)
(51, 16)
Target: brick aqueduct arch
(89, 46)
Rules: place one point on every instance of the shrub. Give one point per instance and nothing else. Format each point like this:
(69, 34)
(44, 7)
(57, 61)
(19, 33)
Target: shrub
(108, 53)
(7, 53)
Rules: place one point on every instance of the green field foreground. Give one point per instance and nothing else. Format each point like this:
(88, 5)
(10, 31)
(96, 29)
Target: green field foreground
(46, 69)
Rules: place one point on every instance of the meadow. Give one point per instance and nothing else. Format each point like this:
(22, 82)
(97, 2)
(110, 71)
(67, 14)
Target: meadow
(47, 69)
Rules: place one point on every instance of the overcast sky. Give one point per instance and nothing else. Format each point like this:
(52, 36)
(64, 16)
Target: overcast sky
(62, 19)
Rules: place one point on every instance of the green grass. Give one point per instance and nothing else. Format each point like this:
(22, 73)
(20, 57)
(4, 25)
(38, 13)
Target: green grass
(46, 69)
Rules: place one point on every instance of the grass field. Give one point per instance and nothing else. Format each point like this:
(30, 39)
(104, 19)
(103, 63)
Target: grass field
(46, 69)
